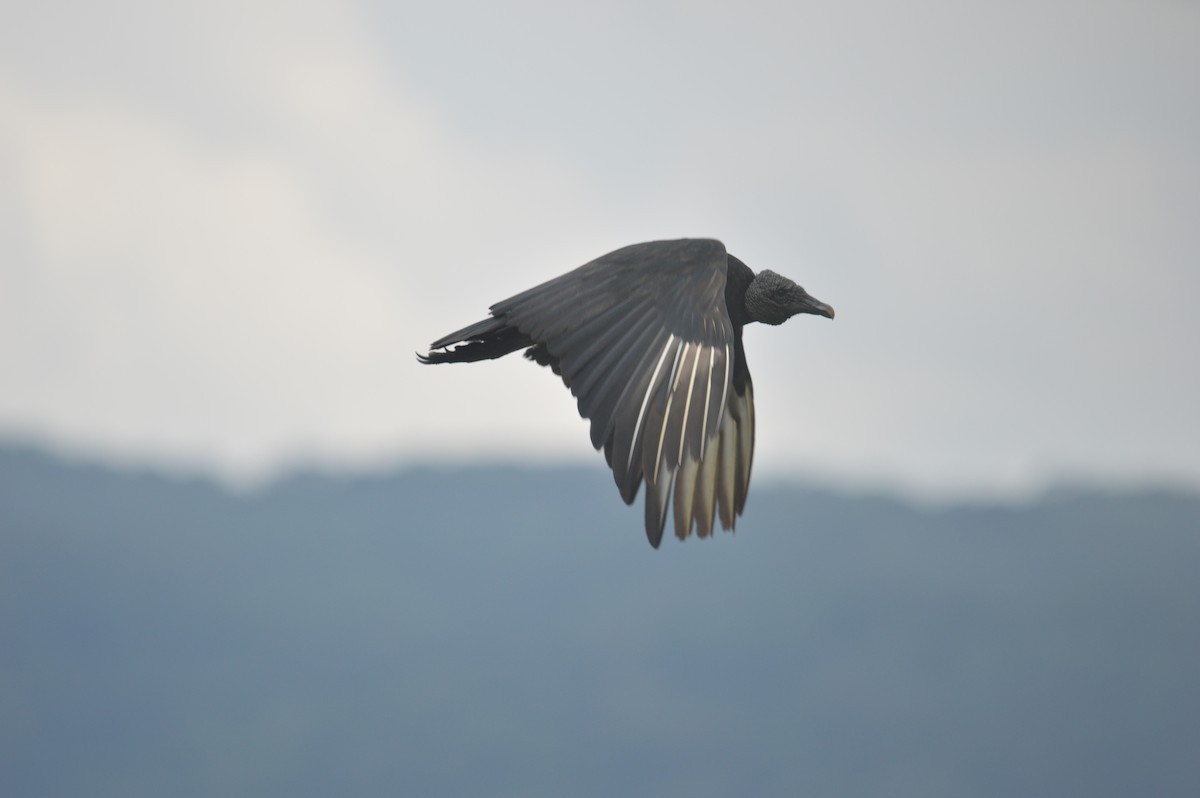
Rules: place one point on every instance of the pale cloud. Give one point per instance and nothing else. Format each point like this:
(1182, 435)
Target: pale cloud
(184, 297)
(175, 297)
(226, 227)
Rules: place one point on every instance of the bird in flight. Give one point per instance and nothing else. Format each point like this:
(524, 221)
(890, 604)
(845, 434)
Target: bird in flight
(648, 338)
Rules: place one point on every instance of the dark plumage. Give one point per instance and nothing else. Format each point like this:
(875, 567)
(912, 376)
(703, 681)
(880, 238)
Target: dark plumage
(649, 340)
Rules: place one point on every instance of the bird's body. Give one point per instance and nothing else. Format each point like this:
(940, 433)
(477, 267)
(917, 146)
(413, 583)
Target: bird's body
(649, 340)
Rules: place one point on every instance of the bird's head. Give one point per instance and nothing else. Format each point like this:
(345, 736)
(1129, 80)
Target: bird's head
(773, 299)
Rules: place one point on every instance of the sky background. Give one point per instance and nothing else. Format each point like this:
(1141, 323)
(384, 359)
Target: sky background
(226, 227)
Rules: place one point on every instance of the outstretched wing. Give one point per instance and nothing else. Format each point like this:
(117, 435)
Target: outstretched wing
(642, 338)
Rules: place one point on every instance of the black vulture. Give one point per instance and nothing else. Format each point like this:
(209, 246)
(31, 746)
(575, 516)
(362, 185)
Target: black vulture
(649, 340)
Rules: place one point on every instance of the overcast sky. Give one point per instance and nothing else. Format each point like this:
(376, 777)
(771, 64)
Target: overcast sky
(225, 227)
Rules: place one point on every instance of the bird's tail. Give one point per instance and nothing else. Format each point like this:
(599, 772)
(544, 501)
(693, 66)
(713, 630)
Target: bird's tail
(484, 340)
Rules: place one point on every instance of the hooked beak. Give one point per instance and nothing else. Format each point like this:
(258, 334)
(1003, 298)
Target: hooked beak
(815, 306)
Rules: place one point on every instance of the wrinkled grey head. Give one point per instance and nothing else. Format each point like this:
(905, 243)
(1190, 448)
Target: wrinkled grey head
(773, 299)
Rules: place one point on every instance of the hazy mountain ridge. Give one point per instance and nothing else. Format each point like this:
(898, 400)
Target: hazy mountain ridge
(507, 630)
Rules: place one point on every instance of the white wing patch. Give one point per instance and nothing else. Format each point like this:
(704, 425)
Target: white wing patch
(706, 474)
